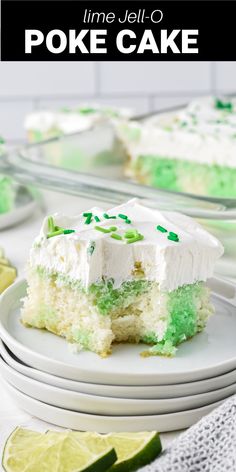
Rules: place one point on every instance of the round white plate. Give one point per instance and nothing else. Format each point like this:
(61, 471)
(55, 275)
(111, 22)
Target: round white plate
(25, 205)
(120, 391)
(225, 267)
(208, 354)
(107, 424)
(98, 405)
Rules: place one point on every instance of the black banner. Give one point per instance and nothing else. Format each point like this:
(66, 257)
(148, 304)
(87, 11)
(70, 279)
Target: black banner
(68, 30)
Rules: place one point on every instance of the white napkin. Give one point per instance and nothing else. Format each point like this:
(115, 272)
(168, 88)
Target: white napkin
(208, 446)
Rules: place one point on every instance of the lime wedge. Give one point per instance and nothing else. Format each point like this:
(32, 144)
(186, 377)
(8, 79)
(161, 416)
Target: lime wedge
(7, 276)
(28, 451)
(133, 450)
(4, 261)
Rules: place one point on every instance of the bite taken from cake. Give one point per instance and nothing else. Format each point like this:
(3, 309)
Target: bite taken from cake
(131, 274)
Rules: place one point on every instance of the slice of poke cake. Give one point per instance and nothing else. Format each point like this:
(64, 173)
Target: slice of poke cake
(82, 138)
(45, 124)
(131, 274)
(190, 150)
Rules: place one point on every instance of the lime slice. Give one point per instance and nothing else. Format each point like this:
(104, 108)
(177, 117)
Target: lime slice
(17, 447)
(7, 276)
(28, 451)
(93, 441)
(4, 261)
(133, 450)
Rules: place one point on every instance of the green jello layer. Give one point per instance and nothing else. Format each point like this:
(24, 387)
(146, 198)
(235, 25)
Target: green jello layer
(184, 176)
(185, 318)
(103, 294)
(6, 194)
(183, 311)
(109, 299)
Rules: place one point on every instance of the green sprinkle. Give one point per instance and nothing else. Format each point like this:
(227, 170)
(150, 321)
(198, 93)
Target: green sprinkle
(89, 217)
(108, 217)
(174, 235)
(176, 240)
(128, 221)
(68, 231)
(51, 226)
(160, 228)
(55, 233)
(87, 110)
(88, 220)
(139, 237)
(221, 105)
(103, 230)
(116, 236)
(131, 233)
(97, 219)
(123, 217)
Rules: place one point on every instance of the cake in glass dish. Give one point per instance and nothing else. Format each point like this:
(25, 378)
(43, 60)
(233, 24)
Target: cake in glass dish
(131, 274)
(7, 193)
(41, 125)
(81, 139)
(192, 150)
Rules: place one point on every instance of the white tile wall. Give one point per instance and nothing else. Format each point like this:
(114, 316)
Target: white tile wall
(226, 76)
(153, 77)
(11, 119)
(36, 79)
(142, 86)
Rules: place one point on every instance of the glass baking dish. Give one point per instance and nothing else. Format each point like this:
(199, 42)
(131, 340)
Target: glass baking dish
(91, 163)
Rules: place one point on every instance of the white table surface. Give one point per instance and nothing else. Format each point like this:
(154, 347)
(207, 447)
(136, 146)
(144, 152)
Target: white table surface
(16, 242)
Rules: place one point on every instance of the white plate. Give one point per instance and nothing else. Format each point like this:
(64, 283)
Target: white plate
(120, 391)
(208, 354)
(98, 405)
(25, 205)
(225, 267)
(107, 424)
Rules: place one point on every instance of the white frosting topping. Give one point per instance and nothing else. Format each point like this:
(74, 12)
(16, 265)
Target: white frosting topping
(202, 132)
(87, 255)
(71, 121)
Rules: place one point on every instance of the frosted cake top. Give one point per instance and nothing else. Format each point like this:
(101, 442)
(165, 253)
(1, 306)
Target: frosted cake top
(74, 119)
(203, 132)
(165, 247)
(209, 115)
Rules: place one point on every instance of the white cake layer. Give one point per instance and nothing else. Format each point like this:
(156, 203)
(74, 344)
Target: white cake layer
(200, 133)
(172, 264)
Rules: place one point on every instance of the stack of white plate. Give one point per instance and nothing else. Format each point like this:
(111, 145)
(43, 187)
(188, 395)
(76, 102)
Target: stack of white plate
(124, 392)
